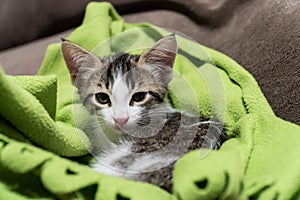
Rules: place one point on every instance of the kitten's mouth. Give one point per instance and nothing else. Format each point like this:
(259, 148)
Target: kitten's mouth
(128, 130)
(119, 128)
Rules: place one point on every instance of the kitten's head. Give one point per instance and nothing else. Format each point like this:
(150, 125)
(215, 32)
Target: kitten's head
(123, 88)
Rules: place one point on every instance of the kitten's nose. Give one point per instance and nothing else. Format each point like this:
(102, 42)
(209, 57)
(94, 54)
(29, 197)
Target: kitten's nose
(121, 121)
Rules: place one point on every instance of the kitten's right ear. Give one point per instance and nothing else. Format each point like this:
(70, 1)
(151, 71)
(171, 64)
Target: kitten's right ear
(77, 58)
(161, 57)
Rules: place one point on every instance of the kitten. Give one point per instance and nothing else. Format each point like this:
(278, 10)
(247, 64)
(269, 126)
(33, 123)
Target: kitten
(128, 92)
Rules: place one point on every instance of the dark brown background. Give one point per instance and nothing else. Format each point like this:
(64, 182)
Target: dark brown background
(263, 36)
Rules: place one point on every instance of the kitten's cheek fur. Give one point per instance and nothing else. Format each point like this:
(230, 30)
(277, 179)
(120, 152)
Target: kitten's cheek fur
(107, 115)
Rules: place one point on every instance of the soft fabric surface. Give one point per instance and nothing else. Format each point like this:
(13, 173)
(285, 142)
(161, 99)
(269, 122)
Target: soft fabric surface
(258, 162)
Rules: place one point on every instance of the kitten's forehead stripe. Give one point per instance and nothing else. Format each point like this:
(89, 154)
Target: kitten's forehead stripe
(119, 63)
(130, 80)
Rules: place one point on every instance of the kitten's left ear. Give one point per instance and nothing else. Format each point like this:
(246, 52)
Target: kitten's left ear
(77, 58)
(161, 57)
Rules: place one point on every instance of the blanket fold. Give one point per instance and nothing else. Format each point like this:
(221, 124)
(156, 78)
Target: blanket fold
(39, 134)
(25, 111)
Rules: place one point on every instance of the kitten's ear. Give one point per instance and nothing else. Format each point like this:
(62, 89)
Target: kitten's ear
(161, 56)
(77, 58)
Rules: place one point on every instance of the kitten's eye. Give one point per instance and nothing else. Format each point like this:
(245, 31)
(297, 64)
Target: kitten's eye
(138, 97)
(102, 98)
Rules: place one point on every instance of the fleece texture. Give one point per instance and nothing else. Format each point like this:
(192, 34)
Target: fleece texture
(40, 136)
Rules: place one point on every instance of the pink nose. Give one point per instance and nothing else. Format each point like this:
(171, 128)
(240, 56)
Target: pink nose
(121, 121)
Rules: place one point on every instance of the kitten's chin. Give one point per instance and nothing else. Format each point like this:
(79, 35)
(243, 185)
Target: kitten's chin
(125, 130)
(113, 133)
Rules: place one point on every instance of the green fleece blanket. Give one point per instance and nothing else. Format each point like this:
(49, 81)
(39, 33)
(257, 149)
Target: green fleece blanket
(40, 138)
